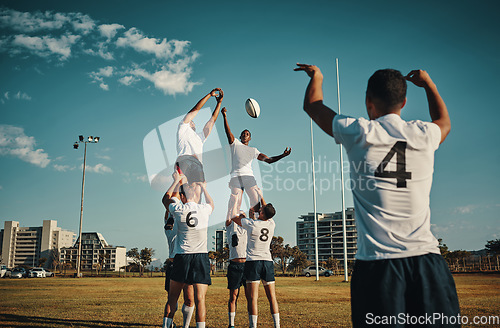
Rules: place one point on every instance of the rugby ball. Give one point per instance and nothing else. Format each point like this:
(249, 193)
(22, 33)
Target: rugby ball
(252, 107)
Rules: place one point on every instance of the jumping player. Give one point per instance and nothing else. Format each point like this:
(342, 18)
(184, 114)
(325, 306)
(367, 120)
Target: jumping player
(188, 291)
(259, 263)
(398, 269)
(191, 264)
(242, 178)
(237, 241)
(190, 143)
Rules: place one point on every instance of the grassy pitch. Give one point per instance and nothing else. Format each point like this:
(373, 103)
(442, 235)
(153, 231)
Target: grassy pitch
(139, 302)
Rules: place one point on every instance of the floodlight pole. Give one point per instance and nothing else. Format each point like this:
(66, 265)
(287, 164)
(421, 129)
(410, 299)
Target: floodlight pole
(79, 255)
(316, 260)
(344, 233)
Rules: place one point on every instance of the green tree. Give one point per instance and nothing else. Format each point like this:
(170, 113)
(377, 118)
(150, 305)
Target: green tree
(134, 254)
(145, 258)
(443, 248)
(493, 247)
(299, 260)
(42, 261)
(55, 258)
(332, 264)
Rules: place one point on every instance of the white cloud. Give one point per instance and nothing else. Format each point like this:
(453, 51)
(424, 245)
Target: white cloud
(14, 142)
(22, 95)
(98, 168)
(63, 168)
(6, 95)
(106, 157)
(109, 30)
(167, 64)
(465, 209)
(131, 177)
(161, 49)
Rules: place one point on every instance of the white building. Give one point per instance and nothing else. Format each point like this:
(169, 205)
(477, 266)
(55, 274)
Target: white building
(94, 249)
(27, 245)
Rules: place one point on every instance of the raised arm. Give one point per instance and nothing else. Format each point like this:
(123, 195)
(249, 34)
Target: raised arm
(208, 198)
(194, 111)
(229, 135)
(174, 188)
(313, 100)
(437, 107)
(237, 219)
(210, 124)
(270, 160)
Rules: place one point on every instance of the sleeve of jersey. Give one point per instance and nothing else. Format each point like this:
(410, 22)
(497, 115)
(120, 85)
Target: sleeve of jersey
(434, 134)
(245, 223)
(345, 130)
(175, 205)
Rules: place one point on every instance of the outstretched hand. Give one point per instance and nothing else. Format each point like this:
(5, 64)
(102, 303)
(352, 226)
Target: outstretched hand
(287, 151)
(217, 92)
(224, 111)
(311, 70)
(419, 77)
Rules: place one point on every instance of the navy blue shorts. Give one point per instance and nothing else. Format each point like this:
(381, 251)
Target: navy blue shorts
(259, 270)
(168, 273)
(191, 167)
(191, 269)
(242, 182)
(235, 275)
(416, 286)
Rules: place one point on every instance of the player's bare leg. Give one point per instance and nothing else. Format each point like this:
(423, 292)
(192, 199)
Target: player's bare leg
(188, 306)
(252, 302)
(200, 291)
(173, 295)
(270, 289)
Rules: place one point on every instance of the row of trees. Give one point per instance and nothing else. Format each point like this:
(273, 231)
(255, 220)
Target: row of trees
(141, 258)
(465, 261)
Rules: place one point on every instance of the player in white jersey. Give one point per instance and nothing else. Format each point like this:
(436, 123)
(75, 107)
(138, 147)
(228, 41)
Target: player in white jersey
(237, 242)
(242, 177)
(399, 270)
(191, 263)
(171, 234)
(259, 264)
(190, 143)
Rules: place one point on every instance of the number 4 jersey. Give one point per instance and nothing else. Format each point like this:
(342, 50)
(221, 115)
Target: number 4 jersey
(391, 167)
(191, 222)
(259, 236)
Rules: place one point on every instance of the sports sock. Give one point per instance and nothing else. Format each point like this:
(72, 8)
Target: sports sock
(276, 319)
(231, 318)
(200, 325)
(167, 322)
(252, 319)
(187, 314)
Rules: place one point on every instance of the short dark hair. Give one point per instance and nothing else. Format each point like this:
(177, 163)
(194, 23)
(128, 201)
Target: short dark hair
(387, 87)
(269, 210)
(169, 225)
(246, 130)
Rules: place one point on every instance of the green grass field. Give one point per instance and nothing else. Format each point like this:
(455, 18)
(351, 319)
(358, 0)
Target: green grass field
(139, 302)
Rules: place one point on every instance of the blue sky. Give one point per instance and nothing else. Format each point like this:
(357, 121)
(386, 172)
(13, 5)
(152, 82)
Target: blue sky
(120, 69)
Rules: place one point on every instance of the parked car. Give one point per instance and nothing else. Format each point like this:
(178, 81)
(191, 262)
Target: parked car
(3, 270)
(49, 273)
(311, 270)
(18, 273)
(37, 273)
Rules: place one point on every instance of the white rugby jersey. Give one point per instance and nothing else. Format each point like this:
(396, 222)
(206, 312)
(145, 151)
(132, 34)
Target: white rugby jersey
(237, 241)
(241, 158)
(391, 164)
(260, 234)
(189, 142)
(191, 224)
(171, 235)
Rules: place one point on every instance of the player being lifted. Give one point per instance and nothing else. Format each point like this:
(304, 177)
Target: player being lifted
(170, 233)
(191, 263)
(398, 268)
(190, 143)
(259, 264)
(242, 178)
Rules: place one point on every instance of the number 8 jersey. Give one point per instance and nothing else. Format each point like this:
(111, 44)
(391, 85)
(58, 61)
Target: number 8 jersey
(259, 236)
(191, 222)
(391, 167)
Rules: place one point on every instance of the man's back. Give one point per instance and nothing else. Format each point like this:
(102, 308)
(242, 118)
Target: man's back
(391, 176)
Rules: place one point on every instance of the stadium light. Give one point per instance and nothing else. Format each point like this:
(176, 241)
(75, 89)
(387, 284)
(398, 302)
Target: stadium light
(75, 146)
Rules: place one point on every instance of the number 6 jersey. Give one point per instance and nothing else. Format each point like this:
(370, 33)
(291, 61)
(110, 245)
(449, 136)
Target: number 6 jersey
(259, 236)
(191, 222)
(391, 167)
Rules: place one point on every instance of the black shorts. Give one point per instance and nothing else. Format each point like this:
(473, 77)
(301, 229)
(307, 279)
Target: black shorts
(243, 182)
(259, 270)
(191, 167)
(413, 286)
(235, 275)
(191, 269)
(168, 273)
